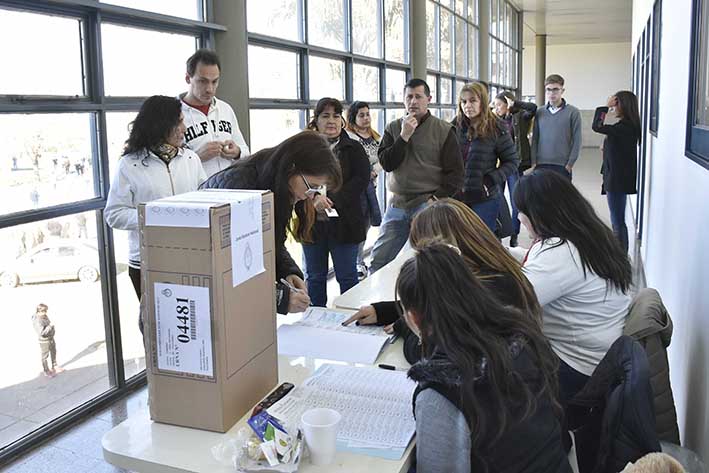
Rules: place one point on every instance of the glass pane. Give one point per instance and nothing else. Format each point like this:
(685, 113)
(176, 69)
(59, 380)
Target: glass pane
(702, 100)
(120, 44)
(377, 115)
(460, 7)
(270, 127)
(503, 21)
(183, 8)
(48, 160)
(53, 262)
(472, 52)
(365, 83)
(431, 80)
(273, 73)
(366, 27)
(395, 80)
(394, 37)
(326, 23)
(273, 18)
(493, 17)
(494, 77)
(327, 78)
(431, 36)
(473, 11)
(446, 41)
(460, 47)
(36, 56)
(117, 131)
(446, 91)
(394, 114)
(447, 114)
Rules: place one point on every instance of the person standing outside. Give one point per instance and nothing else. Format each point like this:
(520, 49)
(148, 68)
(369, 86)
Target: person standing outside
(420, 153)
(45, 331)
(211, 128)
(620, 151)
(556, 143)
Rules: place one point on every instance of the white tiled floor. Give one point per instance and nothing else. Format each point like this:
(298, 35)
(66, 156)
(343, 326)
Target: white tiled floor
(79, 449)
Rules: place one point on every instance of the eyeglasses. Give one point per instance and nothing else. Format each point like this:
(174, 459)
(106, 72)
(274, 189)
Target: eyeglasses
(312, 191)
(553, 90)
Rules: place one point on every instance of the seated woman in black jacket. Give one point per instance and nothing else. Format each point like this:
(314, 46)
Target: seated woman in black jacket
(486, 391)
(295, 171)
(452, 222)
(337, 237)
(483, 140)
(620, 152)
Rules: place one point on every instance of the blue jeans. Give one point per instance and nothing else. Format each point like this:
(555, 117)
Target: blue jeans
(392, 235)
(512, 183)
(344, 258)
(487, 211)
(616, 205)
(556, 168)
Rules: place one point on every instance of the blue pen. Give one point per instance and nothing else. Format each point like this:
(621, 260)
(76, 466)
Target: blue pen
(393, 338)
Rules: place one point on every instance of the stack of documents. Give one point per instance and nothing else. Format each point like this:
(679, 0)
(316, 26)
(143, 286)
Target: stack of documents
(320, 334)
(375, 404)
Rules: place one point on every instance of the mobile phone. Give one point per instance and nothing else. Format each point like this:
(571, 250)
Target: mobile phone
(278, 394)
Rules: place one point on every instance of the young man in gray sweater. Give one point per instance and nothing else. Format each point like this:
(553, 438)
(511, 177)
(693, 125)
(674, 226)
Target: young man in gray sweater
(557, 131)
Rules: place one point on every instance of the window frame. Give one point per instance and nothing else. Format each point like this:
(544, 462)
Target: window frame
(697, 139)
(457, 78)
(656, 59)
(92, 15)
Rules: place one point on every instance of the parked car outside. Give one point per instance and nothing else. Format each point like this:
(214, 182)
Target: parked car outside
(57, 259)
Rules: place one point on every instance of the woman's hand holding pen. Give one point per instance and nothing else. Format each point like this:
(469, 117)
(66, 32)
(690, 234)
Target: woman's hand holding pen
(298, 300)
(366, 315)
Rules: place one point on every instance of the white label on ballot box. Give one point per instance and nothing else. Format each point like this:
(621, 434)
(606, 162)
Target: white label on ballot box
(183, 329)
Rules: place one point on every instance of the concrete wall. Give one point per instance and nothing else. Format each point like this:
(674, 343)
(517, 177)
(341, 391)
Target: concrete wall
(592, 72)
(674, 247)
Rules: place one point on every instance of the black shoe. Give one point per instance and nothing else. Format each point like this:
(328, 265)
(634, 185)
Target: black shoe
(513, 241)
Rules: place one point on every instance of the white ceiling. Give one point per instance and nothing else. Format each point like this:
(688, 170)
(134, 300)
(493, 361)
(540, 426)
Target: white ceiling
(577, 21)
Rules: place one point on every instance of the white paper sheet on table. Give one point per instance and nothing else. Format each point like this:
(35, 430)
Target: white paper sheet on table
(375, 405)
(320, 334)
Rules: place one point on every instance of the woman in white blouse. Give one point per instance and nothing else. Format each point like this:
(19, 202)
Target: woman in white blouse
(579, 271)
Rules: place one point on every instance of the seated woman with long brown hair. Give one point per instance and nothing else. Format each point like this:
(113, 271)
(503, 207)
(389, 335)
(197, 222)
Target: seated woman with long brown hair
(453, 222)
(486, 395)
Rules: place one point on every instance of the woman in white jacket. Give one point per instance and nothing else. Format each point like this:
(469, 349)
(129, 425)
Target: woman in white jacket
(579, 271)
(153, 165)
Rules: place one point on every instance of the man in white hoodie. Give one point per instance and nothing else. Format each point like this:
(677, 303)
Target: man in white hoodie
(212, 130)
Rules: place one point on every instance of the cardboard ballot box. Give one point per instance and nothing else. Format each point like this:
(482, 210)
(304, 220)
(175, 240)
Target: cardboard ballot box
(208, 305)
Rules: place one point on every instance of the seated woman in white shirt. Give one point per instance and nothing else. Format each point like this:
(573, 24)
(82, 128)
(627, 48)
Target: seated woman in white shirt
(579, 271)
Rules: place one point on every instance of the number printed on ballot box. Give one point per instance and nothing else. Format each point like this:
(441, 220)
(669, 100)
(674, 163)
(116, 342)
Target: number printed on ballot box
(184, 329)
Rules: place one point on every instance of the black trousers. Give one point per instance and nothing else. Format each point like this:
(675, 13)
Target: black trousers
(134, 275)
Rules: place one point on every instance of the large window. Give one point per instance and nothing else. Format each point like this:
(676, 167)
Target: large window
(698, 111)
(303, 50)
(505, 47)
(451, 51)
(64, 120)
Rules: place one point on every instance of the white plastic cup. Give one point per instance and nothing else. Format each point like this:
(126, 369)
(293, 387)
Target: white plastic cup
(320, 430)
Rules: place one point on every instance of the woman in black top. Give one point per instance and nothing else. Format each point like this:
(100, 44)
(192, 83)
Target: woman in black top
(486, 394)
(483, 140)
(451, 221)
(337, 236)
(295, 171)
(620, 148)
